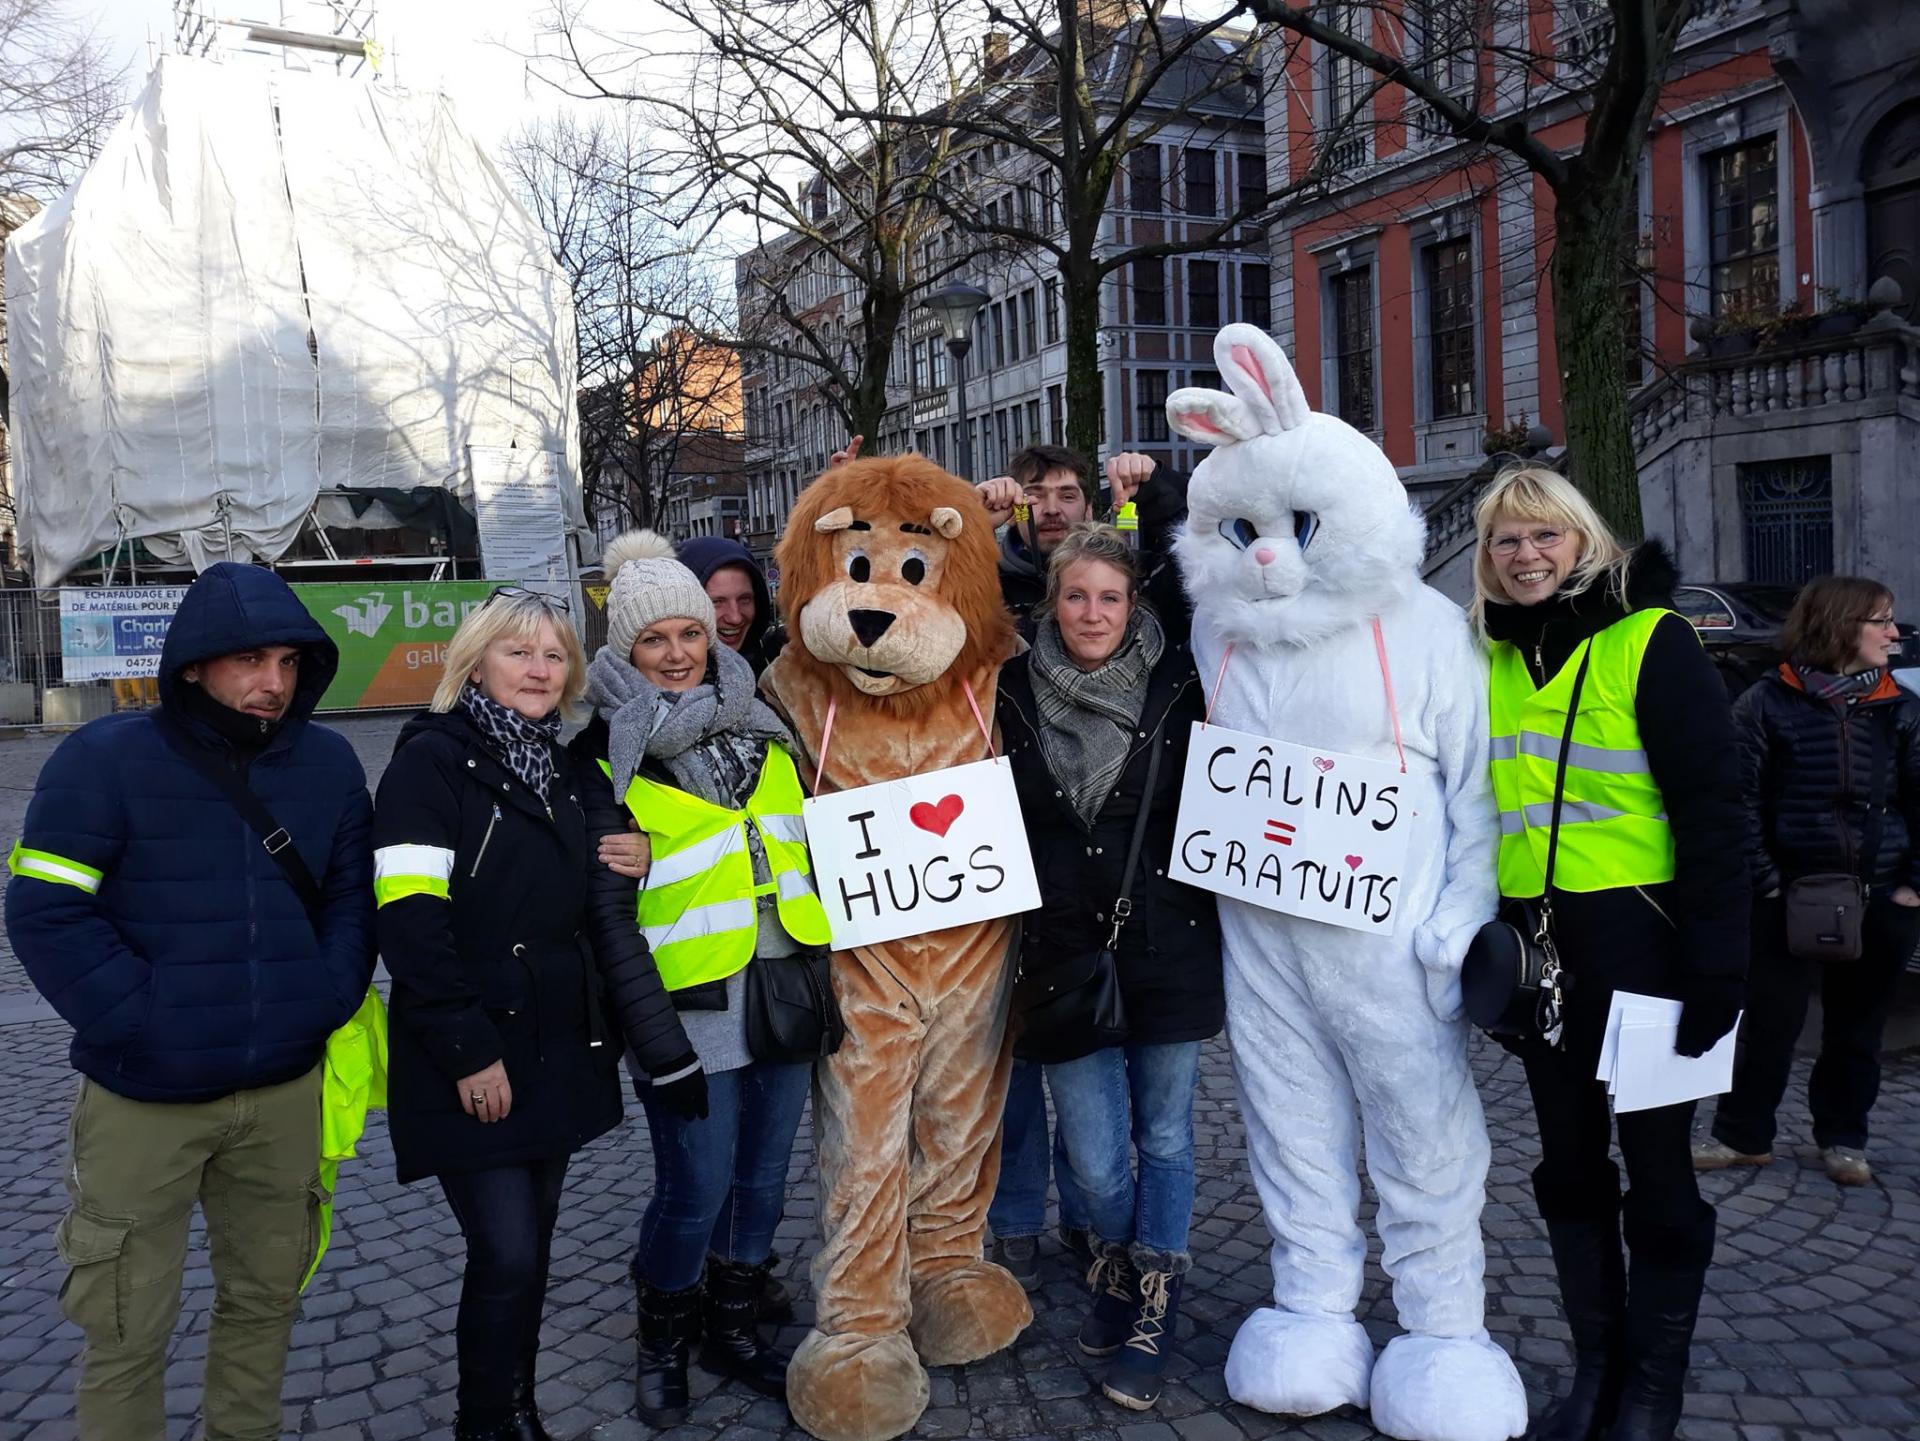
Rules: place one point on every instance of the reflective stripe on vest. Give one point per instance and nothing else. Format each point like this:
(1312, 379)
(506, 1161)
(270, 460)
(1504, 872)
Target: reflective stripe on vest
(411, 870)
(697, 905)
(1613, 819)
(59, 870)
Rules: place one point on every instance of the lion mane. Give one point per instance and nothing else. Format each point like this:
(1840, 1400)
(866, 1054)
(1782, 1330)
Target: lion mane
(885, 494)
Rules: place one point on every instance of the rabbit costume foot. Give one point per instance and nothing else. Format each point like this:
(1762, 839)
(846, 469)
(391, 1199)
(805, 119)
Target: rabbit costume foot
(1447, 1388)
(1292, 1364)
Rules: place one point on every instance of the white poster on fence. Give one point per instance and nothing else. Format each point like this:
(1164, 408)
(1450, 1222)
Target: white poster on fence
(1292, 828)
(904, 857)
(523, 525)
(115, 632)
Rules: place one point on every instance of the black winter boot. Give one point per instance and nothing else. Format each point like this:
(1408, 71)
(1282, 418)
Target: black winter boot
(525, 1424)
(1110, 1318)
(668, 1323)
(1138, 1371)
(1666, 1272)
(731, 1344)
(470, 1426)
(1583, 1227)
(774, 1306)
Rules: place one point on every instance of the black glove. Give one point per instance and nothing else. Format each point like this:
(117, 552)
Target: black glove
(1709, 1005)
(685, 1096)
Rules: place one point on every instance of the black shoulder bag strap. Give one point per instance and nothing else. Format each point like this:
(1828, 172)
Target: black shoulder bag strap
(1123, 903)
(1876, 802)
(273, 836)
(1560, 775)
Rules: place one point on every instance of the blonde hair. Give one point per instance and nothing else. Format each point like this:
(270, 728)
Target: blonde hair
(1536, 495)
(501, 616)
(1090, 540)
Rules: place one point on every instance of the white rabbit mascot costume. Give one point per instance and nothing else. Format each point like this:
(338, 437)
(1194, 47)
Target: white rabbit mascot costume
(1299, 539)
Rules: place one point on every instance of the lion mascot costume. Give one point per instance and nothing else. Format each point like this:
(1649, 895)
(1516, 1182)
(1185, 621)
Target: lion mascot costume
(1311, 625)
(890, 586)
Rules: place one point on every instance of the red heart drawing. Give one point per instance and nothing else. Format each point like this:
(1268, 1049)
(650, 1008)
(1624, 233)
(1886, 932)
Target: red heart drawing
(1322, 764)
(937, 818)
(1353, 862)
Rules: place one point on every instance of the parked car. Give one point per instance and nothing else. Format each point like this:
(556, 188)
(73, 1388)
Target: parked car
(1739, 624)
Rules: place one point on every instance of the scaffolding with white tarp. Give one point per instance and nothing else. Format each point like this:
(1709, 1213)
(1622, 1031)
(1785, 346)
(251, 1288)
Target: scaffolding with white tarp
(279, 301)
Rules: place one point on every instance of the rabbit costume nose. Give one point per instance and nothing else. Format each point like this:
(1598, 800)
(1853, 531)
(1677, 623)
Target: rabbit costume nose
(1264, 555)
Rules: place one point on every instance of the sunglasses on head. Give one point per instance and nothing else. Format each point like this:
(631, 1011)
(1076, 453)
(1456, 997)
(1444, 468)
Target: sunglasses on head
(517, 592)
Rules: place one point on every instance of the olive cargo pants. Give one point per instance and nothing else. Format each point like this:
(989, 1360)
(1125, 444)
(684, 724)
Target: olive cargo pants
(134, 1171)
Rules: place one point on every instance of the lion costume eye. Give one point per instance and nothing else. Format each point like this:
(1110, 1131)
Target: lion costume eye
(859, 568)
(1239, 533)
(913, 569)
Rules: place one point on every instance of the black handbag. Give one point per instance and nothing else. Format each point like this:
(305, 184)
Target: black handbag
(791, 1011)
(1825, 912)
(1066, 1009)
(1512, 982)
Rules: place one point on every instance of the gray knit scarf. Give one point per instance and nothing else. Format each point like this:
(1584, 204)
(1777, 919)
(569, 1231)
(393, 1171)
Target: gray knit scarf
(1087, 717)
(712, 738)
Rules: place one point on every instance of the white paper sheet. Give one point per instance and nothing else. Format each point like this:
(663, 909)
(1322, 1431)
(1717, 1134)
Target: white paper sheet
(1639, 1065)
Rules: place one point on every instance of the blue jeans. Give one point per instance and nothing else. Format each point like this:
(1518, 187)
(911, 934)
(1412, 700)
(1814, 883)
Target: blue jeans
(718, 1183)
(1020, 1201)
(1142, 1095)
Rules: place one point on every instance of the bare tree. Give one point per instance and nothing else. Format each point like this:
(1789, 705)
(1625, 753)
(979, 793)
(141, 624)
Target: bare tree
(644, 301)
(1611, 77)
(1075, 88)
(58, 95)
(774, 122)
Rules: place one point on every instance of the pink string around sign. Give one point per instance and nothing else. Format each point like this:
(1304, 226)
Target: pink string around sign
(1386, 679)
(833, 708)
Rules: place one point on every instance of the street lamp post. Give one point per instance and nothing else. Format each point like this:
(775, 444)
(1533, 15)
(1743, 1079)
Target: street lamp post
(956, 306)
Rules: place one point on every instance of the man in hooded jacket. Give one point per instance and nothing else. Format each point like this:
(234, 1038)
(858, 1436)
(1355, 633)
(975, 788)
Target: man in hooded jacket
(201, 990)
(742, 606)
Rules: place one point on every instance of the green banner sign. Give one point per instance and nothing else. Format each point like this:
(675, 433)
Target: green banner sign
(392, 636)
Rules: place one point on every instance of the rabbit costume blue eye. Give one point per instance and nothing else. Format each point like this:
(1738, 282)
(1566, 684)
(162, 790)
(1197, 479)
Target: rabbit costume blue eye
(1305, 523)
(1239, 532)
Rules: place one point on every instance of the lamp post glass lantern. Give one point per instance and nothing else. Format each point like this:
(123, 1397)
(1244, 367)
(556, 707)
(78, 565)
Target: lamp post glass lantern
(956, 306)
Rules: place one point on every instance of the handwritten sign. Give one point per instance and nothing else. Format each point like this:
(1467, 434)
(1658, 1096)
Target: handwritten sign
(1312, 833)
(905, 857)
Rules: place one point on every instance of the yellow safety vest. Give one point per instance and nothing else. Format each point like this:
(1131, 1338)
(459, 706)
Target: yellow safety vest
(1613, 820)
(354, 1080)
(697, 906)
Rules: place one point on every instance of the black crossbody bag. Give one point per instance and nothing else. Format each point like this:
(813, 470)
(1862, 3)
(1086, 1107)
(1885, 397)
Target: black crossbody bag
(1512, 981)
(1063, 1010)
(1825, 912)
(274, 837)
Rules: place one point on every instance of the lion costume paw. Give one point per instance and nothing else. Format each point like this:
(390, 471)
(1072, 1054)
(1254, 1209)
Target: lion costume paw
(967, 1313)
(856, 1388)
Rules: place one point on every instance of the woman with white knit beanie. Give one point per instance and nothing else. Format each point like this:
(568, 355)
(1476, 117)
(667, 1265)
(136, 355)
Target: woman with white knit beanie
(703, 766)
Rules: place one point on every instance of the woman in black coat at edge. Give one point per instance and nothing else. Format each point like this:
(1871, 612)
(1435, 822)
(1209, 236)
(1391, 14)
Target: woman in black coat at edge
(1080, 713)
(1548, 576)
(1812, 735)
(504, 1059)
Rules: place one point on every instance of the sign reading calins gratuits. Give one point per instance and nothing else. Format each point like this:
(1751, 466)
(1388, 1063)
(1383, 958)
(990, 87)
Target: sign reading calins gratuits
(905, 857)
(1304, 831)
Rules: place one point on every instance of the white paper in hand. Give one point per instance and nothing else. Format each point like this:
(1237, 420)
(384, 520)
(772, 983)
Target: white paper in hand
(1639, 1065)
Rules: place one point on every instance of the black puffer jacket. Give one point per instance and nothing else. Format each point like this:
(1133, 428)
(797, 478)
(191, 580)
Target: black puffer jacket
(1809, 779)
(1670, 939)
(502, 969)
(1170, 974)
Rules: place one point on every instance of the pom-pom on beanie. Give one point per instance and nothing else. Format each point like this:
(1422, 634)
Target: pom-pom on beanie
(649, 586)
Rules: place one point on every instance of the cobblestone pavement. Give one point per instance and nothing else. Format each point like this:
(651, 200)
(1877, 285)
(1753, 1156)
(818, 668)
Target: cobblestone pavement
(1810, 1329)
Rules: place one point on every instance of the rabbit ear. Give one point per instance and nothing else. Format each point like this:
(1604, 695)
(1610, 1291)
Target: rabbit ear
(1256, 370)
(1210, 417)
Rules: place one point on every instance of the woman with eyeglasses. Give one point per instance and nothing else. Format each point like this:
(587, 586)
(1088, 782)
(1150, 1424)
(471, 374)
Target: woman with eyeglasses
(506, 1026)
(1649, 896)
(1831, 748)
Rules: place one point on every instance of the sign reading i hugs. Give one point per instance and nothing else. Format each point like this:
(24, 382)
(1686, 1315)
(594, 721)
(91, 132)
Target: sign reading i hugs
(921, 854)
(1291, 828)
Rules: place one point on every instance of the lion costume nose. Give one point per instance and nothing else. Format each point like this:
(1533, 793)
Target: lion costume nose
(870, 625)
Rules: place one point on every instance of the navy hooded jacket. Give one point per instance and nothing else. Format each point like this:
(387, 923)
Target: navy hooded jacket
(705, 554)
(150, 914)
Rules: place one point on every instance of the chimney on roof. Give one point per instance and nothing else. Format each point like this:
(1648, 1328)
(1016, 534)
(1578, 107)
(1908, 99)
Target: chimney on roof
(993, 49)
